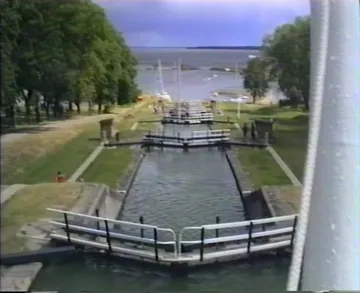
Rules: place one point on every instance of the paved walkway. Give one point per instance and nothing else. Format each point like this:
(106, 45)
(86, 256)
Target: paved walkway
(64, 124)
(294, 180)
(8, 192)
(91, 158)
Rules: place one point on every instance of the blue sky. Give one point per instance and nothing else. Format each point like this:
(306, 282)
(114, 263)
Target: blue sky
(177, 23)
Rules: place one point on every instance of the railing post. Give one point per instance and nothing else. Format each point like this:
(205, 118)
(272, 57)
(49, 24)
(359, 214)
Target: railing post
(108, 235)
(250, 237)
(202, 244)
(156, 244)
(97, 222)
(217, 230)
(141, 221)
(293, 231)
(67, 227)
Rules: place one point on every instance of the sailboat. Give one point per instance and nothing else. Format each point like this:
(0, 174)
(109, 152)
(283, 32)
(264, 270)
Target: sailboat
(163, 95)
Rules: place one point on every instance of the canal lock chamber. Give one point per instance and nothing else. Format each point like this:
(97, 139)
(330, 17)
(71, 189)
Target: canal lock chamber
(172, 189)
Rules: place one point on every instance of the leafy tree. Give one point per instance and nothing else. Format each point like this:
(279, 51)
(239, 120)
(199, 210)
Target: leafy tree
(290, 46)
(255, 78)
(9, 32)
(62, 51)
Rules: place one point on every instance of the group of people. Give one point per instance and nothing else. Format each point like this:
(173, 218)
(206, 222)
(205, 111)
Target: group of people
(245, 130)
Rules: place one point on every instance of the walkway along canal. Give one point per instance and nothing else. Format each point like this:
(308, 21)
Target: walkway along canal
(172, 189)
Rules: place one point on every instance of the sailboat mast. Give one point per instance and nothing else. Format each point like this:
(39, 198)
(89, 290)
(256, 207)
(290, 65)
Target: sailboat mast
(236, 72)
(161, 76)
(178, 85)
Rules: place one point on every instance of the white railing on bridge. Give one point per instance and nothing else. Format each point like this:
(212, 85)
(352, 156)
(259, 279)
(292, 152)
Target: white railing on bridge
(247, 238)
(102, 229)
(214, 134)
(240, 243)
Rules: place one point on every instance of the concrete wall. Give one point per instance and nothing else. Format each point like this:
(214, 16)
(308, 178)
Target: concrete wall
(257, 206)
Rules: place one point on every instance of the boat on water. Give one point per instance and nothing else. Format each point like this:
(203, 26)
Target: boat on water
(163, 95)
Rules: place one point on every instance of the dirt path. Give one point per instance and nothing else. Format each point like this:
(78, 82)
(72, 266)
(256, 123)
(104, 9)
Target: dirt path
(64, 124)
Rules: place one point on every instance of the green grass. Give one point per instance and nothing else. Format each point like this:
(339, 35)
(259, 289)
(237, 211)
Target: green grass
(65, 158)
(112, 164)
(261, 167)
(37, 158)
(109, 166)
(29, 205)
(290, 130)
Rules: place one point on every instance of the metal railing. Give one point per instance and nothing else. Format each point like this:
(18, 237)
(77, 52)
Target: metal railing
(248, 237)
(151, 247)
(110, 235)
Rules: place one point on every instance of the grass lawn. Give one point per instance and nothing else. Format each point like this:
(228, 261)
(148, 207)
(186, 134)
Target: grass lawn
(290, 130)
(261, 167)
(36, 158)
(29, 204)
(111, 164)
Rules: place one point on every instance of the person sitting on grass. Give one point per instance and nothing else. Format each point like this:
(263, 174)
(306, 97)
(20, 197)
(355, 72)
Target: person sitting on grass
(60, 177)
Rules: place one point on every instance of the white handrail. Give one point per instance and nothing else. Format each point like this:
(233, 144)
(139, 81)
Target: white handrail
(131, 224)
(244, 236)
(138, 225)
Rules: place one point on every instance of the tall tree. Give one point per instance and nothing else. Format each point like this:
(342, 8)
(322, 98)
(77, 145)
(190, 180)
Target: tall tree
(62, 51)
(290, 46)
(255, 78)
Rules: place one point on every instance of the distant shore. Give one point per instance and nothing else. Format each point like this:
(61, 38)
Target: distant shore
(257, 48)
(186, 68)
(245, 48)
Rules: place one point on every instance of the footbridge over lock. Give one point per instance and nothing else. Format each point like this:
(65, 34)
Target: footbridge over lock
(215, 242)
(195, 138)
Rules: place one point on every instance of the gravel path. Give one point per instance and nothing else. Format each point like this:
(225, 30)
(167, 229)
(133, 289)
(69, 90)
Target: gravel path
(63, 124)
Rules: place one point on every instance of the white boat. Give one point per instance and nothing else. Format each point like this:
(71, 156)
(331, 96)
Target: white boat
(163, 95)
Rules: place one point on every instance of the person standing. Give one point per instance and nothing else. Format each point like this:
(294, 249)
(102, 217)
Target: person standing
(253, 131)
(245, 130)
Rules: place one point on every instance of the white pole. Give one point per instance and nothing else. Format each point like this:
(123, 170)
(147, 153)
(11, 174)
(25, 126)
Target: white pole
(332, 248)
(179, 87)
(161, 76)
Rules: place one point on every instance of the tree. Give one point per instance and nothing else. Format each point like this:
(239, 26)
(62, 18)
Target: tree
(255, 77)
(10, 31)
(290, 46)
(62, 51)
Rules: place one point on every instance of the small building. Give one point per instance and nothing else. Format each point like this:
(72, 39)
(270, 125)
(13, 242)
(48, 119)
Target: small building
(263, 127)
(106, 126)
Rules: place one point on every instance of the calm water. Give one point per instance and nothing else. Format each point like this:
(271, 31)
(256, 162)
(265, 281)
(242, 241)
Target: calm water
(195, 84)
(201, 178)
(95, 276)
(175, 189)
